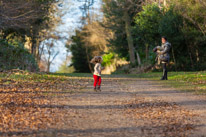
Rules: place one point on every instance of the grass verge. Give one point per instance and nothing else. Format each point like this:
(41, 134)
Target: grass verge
(184, 81)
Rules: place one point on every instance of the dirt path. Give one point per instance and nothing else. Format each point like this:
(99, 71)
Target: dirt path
(189, 101)
(127, 108)
(133, 107)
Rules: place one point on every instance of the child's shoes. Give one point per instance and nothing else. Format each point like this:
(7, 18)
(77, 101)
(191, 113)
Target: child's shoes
(98, 88)
(95, 89)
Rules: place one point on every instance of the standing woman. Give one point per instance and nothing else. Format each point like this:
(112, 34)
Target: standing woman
(163, 56)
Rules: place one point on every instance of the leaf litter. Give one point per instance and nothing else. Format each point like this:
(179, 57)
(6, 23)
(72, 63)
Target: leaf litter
(25, 106)
(162, 118)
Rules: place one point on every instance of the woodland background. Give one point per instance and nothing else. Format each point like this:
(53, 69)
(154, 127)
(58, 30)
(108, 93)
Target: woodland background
(124, 33)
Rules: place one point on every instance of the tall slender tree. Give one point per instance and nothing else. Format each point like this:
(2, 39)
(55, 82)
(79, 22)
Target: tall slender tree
(85, 8)
(119, 14)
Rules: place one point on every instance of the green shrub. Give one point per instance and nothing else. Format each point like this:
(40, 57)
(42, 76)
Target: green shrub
(107, 59)
(16, 57)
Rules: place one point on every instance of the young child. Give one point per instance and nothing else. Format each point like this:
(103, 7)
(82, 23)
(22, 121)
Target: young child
(97, 60)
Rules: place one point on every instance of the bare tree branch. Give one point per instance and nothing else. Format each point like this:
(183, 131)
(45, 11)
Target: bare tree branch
(20, 14)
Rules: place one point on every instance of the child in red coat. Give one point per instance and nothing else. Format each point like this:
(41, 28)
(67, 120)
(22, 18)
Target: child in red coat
(97, 60)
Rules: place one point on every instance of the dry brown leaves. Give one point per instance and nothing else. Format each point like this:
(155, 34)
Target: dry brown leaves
(23, 111)
(162, 118)
(25, 106)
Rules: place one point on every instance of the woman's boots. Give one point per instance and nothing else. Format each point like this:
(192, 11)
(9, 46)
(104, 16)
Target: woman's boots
(164, 77)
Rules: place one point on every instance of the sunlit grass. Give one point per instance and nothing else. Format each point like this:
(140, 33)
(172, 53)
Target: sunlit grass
(185, 81)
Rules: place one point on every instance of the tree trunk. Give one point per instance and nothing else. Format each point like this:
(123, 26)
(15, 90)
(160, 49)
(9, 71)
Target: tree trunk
(138, 58)
(34, 42)
(129, 36)
(87, 44)
(33, 47)
(37, 50)
(147, 51)
(90, 66)
(48, 67)
(48, 62)
(173, 54)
